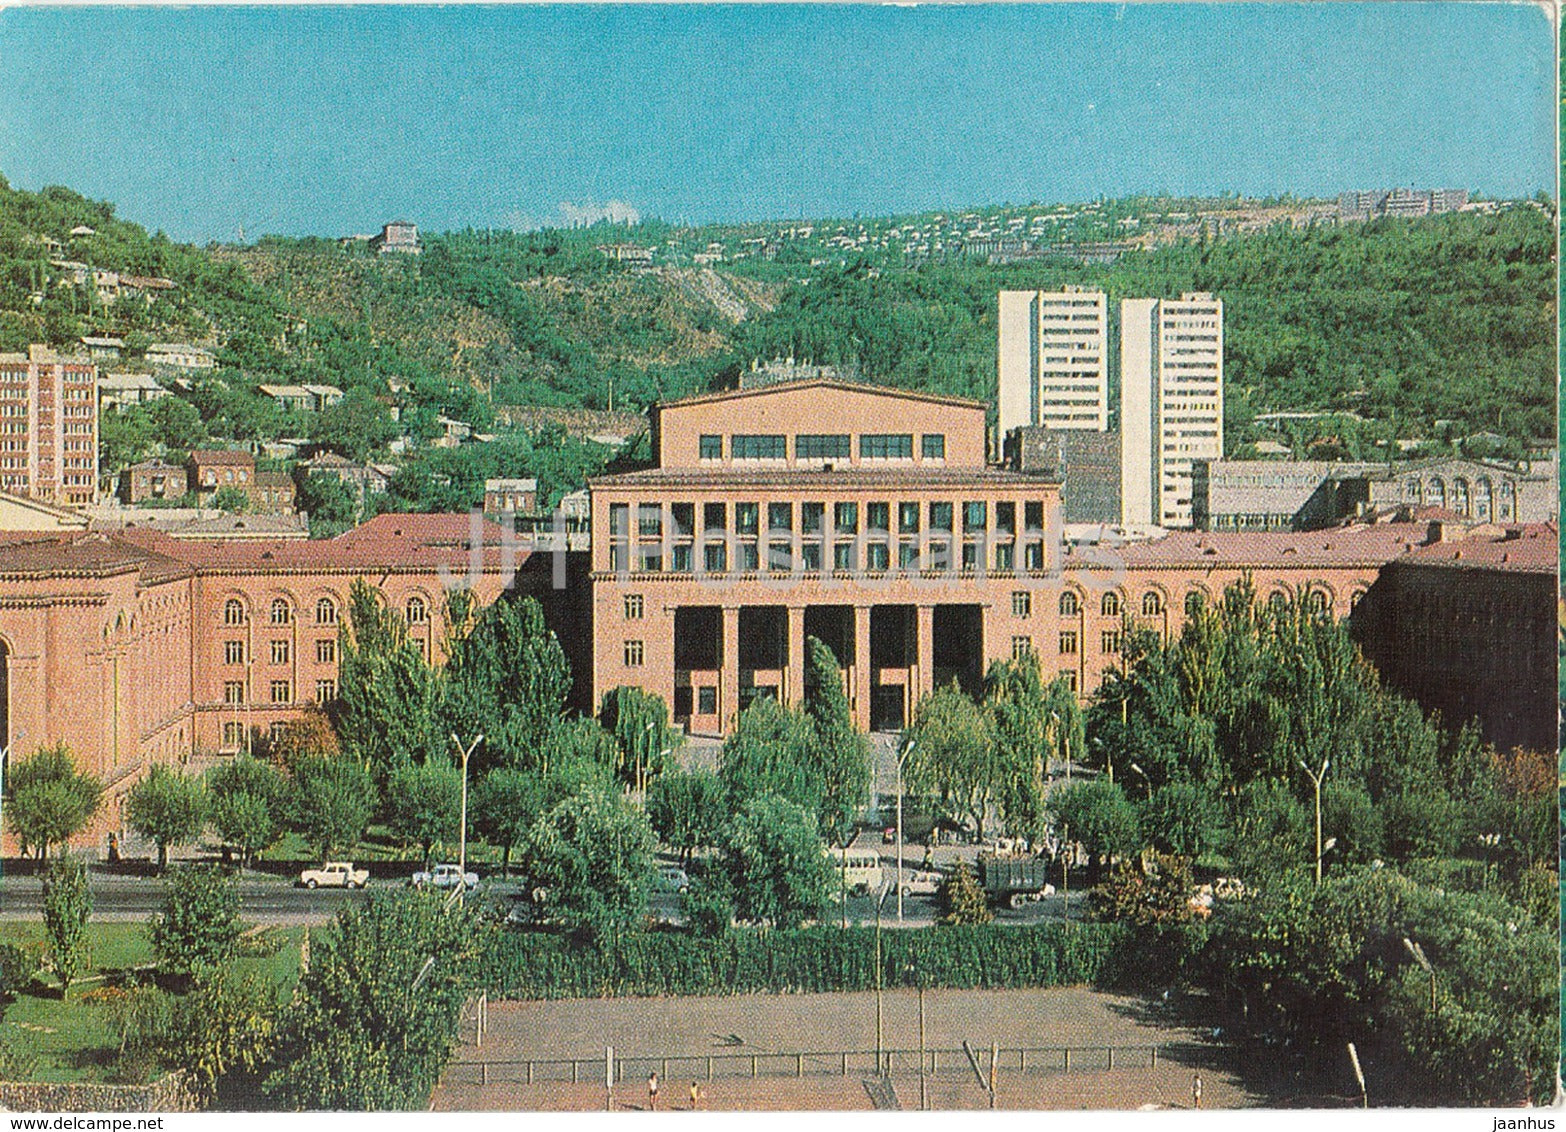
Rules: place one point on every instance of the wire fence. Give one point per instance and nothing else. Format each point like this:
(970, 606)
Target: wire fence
(1020, 1060)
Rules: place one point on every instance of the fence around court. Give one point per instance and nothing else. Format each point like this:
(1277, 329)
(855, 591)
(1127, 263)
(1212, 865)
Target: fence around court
(822, 1063)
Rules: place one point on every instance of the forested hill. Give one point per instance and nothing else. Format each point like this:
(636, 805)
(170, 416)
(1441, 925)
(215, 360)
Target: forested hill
(1405, 322)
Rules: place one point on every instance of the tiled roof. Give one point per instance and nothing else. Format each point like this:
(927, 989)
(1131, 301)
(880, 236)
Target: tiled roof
(1370, 545)
(221, 456)
(83, 554)
(821, 383)
(907, 476)
(1531, 548)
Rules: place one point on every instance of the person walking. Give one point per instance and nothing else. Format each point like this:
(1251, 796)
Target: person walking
(1196, 1091)
(695, 1097)
(652, 1091)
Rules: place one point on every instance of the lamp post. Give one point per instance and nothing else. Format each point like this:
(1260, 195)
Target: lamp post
(462, 852)
(908, 749)
(1146, 781)
(879, 1030)
(1065, 740)
(924, 1099)
(1419, 957)
(1315, 778)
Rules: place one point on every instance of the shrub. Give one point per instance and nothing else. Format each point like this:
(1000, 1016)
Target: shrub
(17, 967)
(961, 900)
(199, 926)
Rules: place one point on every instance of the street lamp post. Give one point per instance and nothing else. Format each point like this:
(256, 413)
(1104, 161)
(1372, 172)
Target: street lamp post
(1146, 781)
(879, 1030)
(1419, 957)
(462, 852)
(1315, 778)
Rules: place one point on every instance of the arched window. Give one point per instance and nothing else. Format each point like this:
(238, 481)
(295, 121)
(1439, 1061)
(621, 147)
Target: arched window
(1436, 496)
(1483, 496)
(1316, 601)
(1278, 599)
(1068, 604)
(281, 614)
(418, 612)
(1152, 604)
(1193, 603)
(1460, 496)
(1110, 606)
(1414, 491)
(325, 611)
(233, 612)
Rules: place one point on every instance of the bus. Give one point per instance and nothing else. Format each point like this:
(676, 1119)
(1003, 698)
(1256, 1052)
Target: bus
(859, 870)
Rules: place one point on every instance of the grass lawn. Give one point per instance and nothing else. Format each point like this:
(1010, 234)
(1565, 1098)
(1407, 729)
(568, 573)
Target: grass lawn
(72, 1039)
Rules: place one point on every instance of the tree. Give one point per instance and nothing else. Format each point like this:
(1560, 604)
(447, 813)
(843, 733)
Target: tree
(1032, 723)
(840, 752)
(954, 754)
(424, 803)
(167, 806)
(333, 506)
(222, 1034)
(358, 425)
(334, 799)
(199, 926)
(1151, 893)
(593, 854)
(50, 801)
(775, 863)
(177, 424)
(768, 752)
(960, 899)
(1182, 819)
(309, 736)
(374, 1019)
(505, 804)
(1099, 816)
(507, 679)
(385, 714)
(231, 499)
(67, 904)
(639, 722)
(687, 810)
(247, 800)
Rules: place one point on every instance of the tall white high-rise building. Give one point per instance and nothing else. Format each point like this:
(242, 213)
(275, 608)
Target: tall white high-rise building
(1054, 359)
(1171, 403)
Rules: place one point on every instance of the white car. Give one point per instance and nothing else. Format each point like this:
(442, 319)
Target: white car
(445, 876)
(672, 879)
(335, 874)
(922, 882)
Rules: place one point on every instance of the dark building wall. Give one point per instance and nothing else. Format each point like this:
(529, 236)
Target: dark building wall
(1086, 462)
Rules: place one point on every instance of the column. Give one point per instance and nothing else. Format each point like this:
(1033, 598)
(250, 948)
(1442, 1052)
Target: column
(862, 667)
(795, 693)
(728, 676)
(924, 673)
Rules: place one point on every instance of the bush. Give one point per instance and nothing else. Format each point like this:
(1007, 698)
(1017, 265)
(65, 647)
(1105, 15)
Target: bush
(961, 900)
(199, 927)
(17, 968)
(817, 959)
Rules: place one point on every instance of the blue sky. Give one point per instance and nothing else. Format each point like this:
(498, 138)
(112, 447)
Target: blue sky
(332, 120)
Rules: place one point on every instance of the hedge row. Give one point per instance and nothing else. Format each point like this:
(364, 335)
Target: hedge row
(536, 965)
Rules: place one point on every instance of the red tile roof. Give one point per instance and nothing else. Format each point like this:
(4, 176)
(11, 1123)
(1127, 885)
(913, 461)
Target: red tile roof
(221, 456)
(83, 554)
(1530, 548)
(1370, 545)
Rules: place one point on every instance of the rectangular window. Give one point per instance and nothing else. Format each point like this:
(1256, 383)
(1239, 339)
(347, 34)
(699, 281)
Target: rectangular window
(845, 518)
(649, 519)
(707, 700)
(1071, 679)
(886, 446)
(633, 607)
(811, 516)
(1068, 643)
(877, 556)
(279, 652)
(682, 517)
(780, 556)
(619, 520)
(815, 446)
(1033, 554)
(680, 558)
(1033, 515)
(326, 650)
(975, 515)
(1006, 517)
(933, 446)
(970, 556)
(843, 556)
(878, 516)
(233, 735)
(1005, 556)
(810, 556)
(715, 558)
(1110, 640)
(907, 554)
(282, 692)
(713, 517)
(941, 517)
(747, 557)
(710, 447)
(780, 516)
(747, 517)
(234, 652)
(743, 446)
(908, 518)
(1021, 647)
(634, 654)
(325, 691)
(1021, 604)
(233, 692)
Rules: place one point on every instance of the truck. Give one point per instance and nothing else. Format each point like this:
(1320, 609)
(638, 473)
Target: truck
(335, 874)
(444, 876)
(1015, 881)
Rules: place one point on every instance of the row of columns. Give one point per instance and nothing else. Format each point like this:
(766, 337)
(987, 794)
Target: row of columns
(922, 671)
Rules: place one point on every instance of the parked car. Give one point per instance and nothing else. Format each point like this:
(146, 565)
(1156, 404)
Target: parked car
(922, 882)
(671, 878)
(444, 876)
(335, 874)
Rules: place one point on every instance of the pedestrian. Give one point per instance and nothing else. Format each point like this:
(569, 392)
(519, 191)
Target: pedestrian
(652, 1091)
(1196, 1091)
(695, 1097)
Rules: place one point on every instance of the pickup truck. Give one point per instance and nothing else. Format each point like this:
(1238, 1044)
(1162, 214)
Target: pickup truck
(335, 874)
(444, 876)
